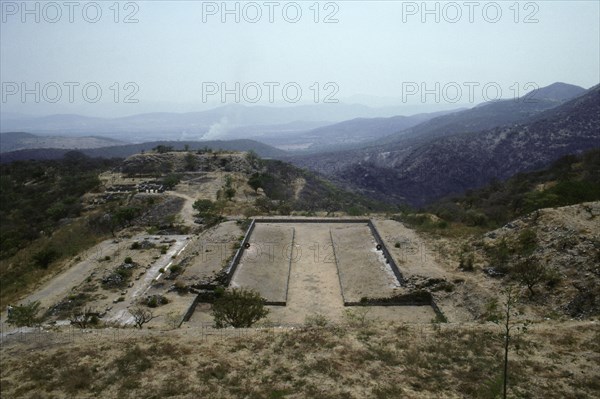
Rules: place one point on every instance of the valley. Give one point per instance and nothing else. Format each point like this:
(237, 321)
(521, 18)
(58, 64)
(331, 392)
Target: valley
(300, 200)
(145, 248)
(313, 263)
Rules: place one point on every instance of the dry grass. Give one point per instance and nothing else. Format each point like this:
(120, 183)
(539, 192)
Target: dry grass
(369, 361)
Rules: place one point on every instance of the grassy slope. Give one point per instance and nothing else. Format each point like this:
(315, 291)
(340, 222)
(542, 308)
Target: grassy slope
(376, 361)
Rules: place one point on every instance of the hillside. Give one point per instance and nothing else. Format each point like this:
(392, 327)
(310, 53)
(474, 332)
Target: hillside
(553, 252)
(570, 180)
(390, 150)
(52, 209)
(420, 169)
(285, 187)
(351, 361)
(113, 243)
(455, 164)
(14, 141)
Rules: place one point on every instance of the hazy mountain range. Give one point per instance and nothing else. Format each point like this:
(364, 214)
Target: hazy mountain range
(14, 141)
(467, 149)
(399, 159)
(218, 123)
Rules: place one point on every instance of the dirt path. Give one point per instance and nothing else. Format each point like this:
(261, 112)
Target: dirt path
(120, 313)
(58, 287)
(187, 211)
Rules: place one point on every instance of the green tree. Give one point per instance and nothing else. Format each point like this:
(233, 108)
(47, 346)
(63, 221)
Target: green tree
(124, 216)
(230, 193)
(171, 180)
(239, 308)
(45, 257)
(161, 149)
(527, 241)
(204, 207)
(24, 315)
(530, 272)
(190, 162)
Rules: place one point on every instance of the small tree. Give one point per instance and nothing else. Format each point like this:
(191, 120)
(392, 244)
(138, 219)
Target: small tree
(141, 315)
(230, 193)
(508, 324)
(204, 207)
(527, 241)
(238, 308)
(171, 180)
(530, 272)
(24, 315)
(45, 257)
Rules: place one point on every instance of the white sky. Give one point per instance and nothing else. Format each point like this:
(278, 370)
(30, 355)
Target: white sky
(371, 51)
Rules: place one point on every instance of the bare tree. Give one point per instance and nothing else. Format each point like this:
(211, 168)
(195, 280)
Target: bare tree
(141, 315)
(509, 305)
(83, 318)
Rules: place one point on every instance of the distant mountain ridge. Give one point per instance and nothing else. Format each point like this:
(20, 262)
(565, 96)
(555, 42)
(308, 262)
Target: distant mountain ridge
(213, 123)
(348, 134)
(13, 141)
(123, 151)
(439, 157)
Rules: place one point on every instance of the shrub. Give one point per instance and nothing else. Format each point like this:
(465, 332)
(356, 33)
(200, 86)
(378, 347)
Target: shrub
(238, 308)
(230, 193)
(356, 210)
(527, 241)
(500, 254)
(316, 320)
(180, 287)
(466, 262)
(136, 245)
(176, 269)
(45, 257)
(24, 315)
(474, 218)
(155, 301)
(128, 260)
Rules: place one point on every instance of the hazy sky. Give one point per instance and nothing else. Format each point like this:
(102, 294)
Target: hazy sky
(178, 55)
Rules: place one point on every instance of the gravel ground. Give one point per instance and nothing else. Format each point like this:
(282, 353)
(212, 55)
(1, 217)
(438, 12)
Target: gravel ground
(362, 268)
(265, 264)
